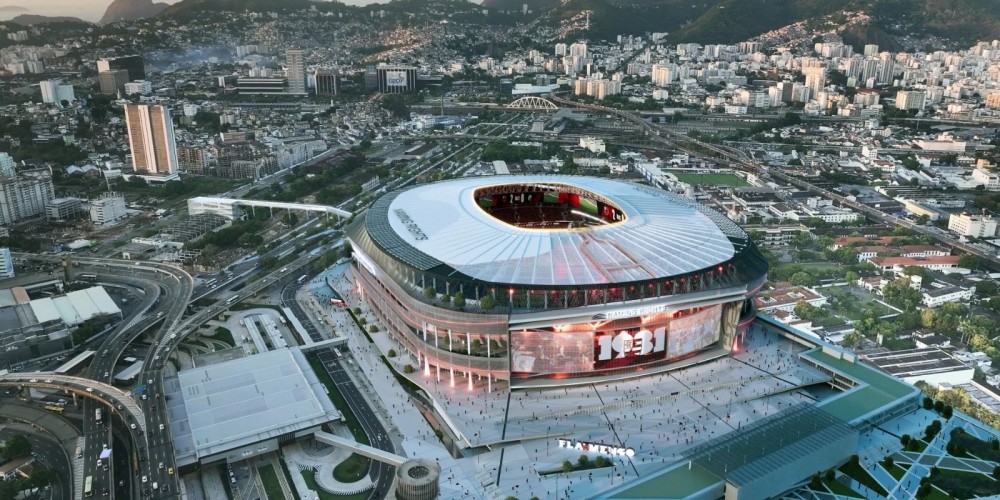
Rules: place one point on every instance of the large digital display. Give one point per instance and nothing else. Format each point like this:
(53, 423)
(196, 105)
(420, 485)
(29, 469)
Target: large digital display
(611, 344)
(694, 332)
(547, 351)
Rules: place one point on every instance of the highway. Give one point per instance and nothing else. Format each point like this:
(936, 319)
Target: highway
(381, 474)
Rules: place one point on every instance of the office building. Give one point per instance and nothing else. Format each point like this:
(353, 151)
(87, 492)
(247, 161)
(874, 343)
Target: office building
(25, 195)
(977, 226)
(112, 82)
(108, 208)
(151, 138)
(394, 79)
(295, 71)
(54, 92)
(134, 65)
(6, 263)
(7, 167)
(261, 85)
(326, 82)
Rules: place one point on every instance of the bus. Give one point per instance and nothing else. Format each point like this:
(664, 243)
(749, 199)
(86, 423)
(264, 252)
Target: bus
(302, 278)
(87, 276)
(53, 408)
(97, 415)
(88, 486)
(232, 299)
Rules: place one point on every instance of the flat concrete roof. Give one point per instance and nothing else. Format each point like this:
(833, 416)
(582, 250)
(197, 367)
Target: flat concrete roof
(247, 400)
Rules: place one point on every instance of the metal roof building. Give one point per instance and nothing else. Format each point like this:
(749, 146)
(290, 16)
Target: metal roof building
(243, 407)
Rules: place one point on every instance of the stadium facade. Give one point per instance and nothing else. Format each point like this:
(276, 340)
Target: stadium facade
(554, 280)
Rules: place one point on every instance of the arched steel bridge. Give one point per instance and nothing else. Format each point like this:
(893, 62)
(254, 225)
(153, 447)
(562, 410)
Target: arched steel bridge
(533, 103)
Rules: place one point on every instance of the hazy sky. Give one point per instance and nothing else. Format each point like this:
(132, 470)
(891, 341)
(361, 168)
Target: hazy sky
(92, 10)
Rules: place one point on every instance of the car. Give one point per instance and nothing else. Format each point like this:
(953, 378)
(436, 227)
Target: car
(144, 395)
(90, 389)
(161, 465)
(170, 471)
(156, 486)
(133, 425)
(164, 489)
(161, 428)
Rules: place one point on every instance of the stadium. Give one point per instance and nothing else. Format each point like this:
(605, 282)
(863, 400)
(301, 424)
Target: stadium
(554, 280)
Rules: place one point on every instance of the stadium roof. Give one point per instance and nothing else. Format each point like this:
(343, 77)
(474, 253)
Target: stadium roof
(248, 400)
(662, 235)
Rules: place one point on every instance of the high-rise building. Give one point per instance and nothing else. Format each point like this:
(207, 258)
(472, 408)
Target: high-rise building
(135, 66)
(261, 85)
(871, 50)
(815, 79)
(61, 209)
(560, 49)
(54, 91)
(578, 49)
(25, 195)
(7, 167)
(108, 208)
(112, 81)
(326, 82)
(910, 99)
(151, 138)
(295, 71)
(6, 263)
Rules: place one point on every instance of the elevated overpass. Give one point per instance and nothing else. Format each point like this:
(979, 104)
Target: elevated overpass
(111, 396)
(226, 207)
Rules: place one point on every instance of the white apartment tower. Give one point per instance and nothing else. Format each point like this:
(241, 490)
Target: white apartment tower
(151, 138)
(54, 91)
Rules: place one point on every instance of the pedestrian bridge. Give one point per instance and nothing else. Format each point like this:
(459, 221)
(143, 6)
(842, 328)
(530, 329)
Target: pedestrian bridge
(226, 207)
(361, 449)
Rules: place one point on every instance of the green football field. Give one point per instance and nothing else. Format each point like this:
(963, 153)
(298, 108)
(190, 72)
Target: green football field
(712, 179)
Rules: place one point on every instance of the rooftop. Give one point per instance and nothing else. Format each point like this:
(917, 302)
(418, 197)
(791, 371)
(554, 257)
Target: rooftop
(247, 400)
(639, 234)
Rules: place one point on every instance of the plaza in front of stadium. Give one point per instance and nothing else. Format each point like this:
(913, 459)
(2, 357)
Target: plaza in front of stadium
(656, 364)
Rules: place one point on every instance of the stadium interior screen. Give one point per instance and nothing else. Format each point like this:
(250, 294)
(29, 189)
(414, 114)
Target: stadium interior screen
(586, 348)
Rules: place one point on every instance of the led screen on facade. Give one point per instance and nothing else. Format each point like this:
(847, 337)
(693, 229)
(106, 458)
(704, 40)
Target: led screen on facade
(596, 347)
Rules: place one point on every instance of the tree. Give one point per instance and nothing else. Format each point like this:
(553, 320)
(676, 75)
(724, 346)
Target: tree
(408, 368)
(801, 279)
(487, 302)
(429, 292)
(458, 300)
(17, 446)
(583, 460)
(969, 262)
(816, 483)
(830, 475)
(600, 461)
(391, 353)
(567, 466)
(851, 278)
(986, 288)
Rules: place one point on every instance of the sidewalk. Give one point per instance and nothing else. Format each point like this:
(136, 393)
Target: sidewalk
(417, 437)
(322, 465)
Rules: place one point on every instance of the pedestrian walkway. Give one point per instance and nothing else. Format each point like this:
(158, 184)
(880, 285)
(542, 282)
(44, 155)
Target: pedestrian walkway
(322, 465)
